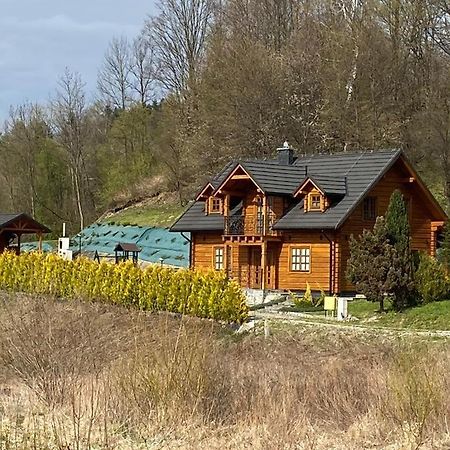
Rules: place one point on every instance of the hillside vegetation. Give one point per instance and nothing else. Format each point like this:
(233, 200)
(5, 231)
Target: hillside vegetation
(89, 375)
(327, 76)
(147, 215)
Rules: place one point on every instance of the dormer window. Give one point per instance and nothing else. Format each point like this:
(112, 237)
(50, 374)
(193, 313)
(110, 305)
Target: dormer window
(315, 202)
(320, 192)
(215, 205)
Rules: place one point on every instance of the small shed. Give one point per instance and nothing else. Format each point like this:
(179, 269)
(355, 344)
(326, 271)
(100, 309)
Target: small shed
(125, 251)
(14, 226)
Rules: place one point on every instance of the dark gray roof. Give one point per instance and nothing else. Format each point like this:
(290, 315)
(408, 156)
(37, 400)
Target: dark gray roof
(329, 185)
(351, 175)
(8, 219)
(195, 218)
(274, 178)
(126, 247)
(362, 170)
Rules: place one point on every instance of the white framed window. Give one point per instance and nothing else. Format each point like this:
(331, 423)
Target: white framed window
(300, 259)
(218, 258)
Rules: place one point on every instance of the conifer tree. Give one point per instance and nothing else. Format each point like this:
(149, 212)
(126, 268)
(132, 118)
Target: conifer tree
(398, 233)
(369, 267)
(380, 260)
(397, 221)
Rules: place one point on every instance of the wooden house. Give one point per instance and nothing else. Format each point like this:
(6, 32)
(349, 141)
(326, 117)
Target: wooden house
(281, 223)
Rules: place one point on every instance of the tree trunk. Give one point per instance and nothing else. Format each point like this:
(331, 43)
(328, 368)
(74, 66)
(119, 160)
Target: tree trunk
(78, 197)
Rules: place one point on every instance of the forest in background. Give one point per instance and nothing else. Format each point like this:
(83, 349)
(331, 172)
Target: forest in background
(207, 81)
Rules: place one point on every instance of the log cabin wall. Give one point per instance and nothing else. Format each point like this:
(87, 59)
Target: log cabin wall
(419, 218)
(319, 275)
(275, 210)
(236, 257)
(250, 209)
(271, 206)
(203, 245)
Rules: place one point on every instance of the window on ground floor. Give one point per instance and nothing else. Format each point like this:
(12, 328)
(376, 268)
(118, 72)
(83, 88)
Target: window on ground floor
(218, 258)
(300, 259)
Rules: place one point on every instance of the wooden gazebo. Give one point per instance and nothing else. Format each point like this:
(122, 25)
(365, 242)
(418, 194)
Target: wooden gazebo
(13, 226)
(126, 250)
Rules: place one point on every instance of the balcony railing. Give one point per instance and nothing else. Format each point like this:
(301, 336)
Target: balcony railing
(240, 225)
(235, 225)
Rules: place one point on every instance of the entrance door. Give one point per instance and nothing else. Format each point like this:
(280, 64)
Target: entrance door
(271, 268)
(254, 265)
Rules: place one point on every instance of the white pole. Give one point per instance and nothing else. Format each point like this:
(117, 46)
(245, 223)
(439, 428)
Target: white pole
(266, 328)
(64, 229)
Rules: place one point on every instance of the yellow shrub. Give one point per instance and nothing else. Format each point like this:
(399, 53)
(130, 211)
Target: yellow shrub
(210, 294)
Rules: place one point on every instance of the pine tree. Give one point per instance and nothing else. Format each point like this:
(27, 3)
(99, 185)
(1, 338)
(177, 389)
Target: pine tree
(369, 267)
(397, 222)
(398, 233)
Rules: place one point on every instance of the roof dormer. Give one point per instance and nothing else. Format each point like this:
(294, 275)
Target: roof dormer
(315, 201)
(319, 192)
(206, 191)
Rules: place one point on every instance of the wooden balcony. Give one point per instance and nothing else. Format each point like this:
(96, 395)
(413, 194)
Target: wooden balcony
(240, 225)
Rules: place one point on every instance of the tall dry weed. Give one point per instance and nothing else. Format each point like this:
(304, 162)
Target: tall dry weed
(84, 376)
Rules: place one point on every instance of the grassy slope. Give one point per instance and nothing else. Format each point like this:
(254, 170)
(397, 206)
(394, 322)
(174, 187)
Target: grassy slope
(154, 215)
(432, 316)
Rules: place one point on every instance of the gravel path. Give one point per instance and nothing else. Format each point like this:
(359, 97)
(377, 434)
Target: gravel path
(307, 320)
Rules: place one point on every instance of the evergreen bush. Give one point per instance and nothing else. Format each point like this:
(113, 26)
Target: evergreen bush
(431, 279)
(209, 295)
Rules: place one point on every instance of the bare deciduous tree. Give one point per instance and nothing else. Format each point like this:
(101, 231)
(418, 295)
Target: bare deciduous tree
(70, 123)
(26, 130)
(142, 69)
(179, 33)
(114, 77)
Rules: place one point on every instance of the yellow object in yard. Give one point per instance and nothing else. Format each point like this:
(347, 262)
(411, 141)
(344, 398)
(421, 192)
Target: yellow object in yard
(329, 304)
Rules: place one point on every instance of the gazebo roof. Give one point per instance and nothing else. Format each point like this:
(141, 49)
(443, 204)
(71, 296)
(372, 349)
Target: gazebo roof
(126, 247)
(21, 222)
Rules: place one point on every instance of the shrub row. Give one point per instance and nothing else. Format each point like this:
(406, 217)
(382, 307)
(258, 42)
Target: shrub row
(209, 295)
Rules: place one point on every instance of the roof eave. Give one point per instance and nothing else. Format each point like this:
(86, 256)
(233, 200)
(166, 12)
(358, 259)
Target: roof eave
(424, 187)
(233, 170)
(43, 228)
(172, 227)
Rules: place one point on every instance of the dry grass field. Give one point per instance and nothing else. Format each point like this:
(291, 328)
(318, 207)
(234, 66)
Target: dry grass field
(91, 376)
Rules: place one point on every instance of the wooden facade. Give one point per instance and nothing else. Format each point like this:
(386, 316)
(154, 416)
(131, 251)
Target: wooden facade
(251, 251)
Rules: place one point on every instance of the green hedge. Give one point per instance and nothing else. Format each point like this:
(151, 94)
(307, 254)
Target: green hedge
(202, 294)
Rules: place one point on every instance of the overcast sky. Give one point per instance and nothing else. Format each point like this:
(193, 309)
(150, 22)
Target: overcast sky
(39, 38)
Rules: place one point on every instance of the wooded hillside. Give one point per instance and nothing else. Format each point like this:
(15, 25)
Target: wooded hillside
(207, 81)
